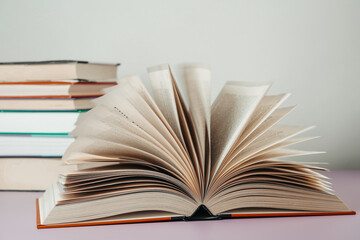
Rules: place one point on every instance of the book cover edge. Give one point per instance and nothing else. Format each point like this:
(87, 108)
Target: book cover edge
(162, 219)
(59, 83)
(40, 226)
(55, 62)
(51, 96)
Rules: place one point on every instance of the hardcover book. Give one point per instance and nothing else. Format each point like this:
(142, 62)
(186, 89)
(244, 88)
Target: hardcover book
(38, 122)
(52, 103)
(56, 70)
(145, 159)
(33, 145)
(29, 174)
(52, 89)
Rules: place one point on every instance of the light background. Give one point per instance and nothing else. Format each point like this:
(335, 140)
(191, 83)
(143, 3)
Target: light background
(310, 48)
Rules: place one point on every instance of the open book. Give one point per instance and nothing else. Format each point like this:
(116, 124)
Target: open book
(153, 159)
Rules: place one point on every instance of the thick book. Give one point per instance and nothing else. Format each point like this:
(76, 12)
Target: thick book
(55, 89)
(29, 174)
(46, 104)
(143, 159)
(57, 70)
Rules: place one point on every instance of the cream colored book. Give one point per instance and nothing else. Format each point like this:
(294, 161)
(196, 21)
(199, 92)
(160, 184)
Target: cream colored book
(46, 104)
(30, 174)
(57, 70)
(143, 158)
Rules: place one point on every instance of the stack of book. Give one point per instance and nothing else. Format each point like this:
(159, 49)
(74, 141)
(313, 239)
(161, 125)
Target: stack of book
(39, 105)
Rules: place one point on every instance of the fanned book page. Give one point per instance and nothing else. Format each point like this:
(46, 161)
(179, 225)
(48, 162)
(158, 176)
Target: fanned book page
(142, 159)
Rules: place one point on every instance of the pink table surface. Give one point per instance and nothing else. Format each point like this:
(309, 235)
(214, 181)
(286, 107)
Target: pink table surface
(17, 221)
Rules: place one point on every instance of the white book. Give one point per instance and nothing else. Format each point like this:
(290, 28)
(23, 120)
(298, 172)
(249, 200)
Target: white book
(33, 145)
(38, 122)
